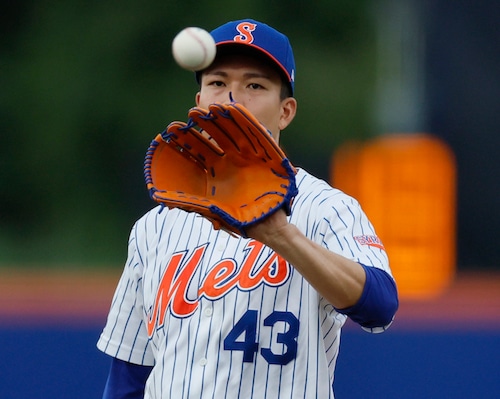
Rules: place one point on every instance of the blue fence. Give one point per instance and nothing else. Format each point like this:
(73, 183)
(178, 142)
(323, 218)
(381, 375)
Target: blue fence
(63, 363)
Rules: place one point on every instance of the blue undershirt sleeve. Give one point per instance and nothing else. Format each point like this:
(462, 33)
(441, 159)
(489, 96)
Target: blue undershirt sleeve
(378, 303)
(126, 380)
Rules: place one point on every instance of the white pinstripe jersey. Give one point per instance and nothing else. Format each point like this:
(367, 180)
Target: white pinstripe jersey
(224, 317)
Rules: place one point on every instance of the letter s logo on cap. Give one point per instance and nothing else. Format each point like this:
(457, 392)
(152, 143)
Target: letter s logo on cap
(245, 30)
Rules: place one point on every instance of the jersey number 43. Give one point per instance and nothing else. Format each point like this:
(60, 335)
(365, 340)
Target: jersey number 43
(243, 337)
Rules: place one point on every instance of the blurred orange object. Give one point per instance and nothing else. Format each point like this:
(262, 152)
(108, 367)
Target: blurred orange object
(406, 183)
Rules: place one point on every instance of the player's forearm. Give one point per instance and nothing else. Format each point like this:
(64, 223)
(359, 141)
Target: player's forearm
(338, 279)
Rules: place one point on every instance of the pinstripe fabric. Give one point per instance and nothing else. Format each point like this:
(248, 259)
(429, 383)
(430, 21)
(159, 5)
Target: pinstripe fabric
(207, 297)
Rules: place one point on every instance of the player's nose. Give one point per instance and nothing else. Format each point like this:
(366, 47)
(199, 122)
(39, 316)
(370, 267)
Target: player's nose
(235, 95)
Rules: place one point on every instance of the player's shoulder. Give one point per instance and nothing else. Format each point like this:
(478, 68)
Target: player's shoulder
(152, 217)
(153, 212)
(311, 186)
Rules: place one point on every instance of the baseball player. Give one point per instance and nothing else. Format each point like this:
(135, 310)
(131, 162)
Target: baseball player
(204, 310)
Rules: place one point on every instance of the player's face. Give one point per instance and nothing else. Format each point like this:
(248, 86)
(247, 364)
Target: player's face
(251, 83)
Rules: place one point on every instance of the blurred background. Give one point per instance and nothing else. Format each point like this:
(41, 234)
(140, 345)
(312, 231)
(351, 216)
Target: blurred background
(86, 85)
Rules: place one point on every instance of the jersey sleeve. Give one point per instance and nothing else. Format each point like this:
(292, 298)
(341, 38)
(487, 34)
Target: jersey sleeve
(348, 231)
(125, 335)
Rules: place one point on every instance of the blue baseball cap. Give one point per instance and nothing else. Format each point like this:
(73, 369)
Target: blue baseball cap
(261, 37)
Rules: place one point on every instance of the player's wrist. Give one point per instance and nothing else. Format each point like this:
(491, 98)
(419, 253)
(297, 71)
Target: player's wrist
(282, 238)
(272, 230)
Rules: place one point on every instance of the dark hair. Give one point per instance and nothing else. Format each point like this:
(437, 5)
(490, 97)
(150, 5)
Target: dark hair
(286, 89)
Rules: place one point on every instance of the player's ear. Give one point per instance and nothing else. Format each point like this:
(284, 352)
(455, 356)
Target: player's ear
(197, 99)
(288, 111)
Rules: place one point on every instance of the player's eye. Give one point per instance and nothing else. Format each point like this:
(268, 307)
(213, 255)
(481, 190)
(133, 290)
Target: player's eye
(255, 86)
(216, 83)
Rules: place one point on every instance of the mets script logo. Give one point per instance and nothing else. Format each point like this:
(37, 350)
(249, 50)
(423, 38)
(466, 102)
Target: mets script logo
(245, 30)
(219, 280)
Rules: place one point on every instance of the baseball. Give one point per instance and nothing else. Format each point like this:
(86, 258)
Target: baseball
(193, 49)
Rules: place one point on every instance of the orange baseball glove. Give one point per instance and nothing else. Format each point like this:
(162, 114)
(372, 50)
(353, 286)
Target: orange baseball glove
(222, 164)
